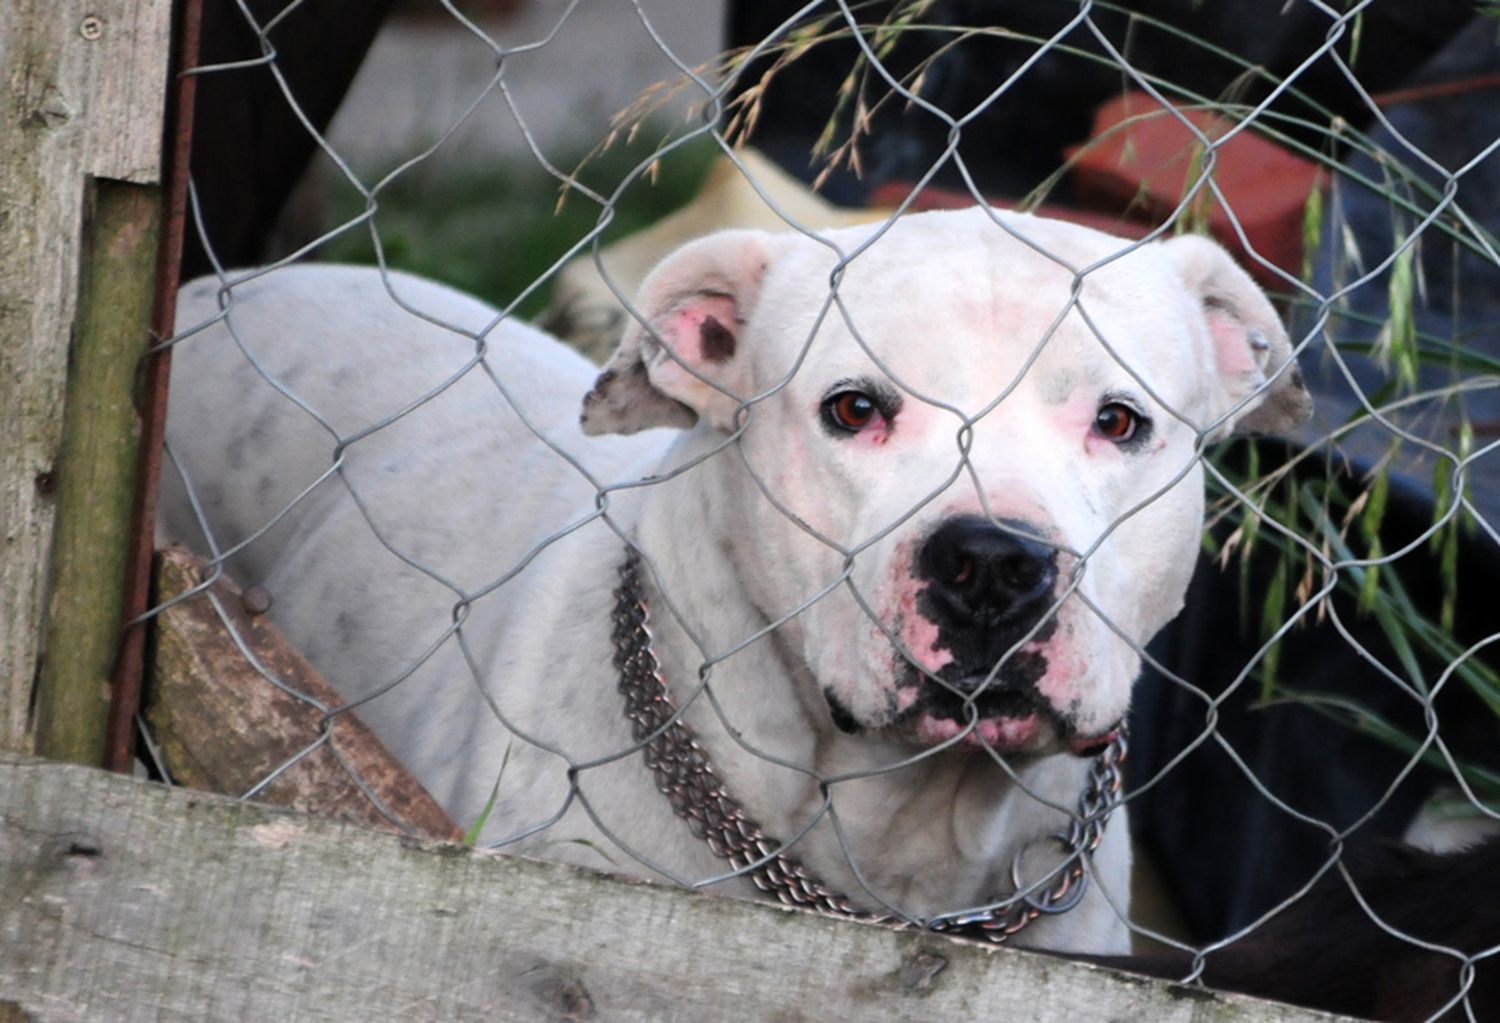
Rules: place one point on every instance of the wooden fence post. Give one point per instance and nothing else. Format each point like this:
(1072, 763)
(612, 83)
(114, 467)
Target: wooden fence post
(81, 138)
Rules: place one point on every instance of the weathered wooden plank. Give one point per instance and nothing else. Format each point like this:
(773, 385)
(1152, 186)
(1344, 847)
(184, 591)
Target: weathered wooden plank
(123, 901)
(96, 469)
(84, 84)
(127, 82)
(223, 727)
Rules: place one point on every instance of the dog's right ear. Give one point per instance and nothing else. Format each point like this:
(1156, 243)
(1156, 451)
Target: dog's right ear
(677, 359)
(1258, 387)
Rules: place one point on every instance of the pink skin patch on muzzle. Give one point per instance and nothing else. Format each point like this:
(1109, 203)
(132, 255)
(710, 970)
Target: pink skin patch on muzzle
(1005, 734)
(1002, 734)
(919, 634)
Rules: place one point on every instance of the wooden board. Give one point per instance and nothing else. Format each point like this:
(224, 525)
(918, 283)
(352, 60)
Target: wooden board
(123, 901)
(222, 725)
(85, 84)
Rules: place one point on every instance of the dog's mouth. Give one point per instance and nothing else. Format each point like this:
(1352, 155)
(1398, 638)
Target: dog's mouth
(995, 699)
(1006, 718)
(1000, 715)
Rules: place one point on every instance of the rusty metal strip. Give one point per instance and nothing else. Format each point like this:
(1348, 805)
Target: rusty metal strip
(129, 666)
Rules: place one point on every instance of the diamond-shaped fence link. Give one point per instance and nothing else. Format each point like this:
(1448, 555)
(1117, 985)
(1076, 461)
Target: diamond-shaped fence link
(856, 630)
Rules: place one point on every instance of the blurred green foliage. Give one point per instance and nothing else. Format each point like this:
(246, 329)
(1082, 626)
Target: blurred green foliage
(493, 231)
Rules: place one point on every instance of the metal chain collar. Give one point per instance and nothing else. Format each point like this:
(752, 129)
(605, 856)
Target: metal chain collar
(686, 776)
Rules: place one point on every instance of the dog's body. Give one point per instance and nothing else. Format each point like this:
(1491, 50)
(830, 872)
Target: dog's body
(850, 582)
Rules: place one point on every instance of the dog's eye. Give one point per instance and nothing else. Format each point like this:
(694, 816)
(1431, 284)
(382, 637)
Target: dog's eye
(851, 411)
(1117, 422)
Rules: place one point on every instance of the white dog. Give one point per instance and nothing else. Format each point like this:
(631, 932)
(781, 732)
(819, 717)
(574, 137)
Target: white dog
(902, 543)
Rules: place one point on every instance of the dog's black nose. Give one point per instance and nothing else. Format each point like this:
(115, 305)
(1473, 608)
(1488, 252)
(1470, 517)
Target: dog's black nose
(980, 574)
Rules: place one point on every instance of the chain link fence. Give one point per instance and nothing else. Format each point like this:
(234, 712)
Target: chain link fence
(859, 629)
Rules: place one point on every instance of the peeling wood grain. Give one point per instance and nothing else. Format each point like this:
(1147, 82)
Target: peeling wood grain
(123, 901)
(222, 726)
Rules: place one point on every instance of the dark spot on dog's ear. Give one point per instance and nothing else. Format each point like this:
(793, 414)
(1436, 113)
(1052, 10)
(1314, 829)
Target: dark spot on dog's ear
(843, 720)
(717, 339)
(596, 393)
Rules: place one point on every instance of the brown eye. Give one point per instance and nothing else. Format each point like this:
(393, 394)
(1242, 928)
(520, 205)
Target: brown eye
(1117, 422)
(851, 411)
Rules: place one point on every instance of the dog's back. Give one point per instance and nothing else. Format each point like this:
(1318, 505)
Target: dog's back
(318, 367)
(400, 478)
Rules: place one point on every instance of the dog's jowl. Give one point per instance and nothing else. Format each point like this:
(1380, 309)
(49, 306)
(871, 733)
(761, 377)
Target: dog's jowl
(904, 520)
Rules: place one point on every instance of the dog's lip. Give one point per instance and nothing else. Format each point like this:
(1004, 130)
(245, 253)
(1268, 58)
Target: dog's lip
(1003, 733)
(979, 715)
(991, 698)
(1092, 745)
(1015, 719)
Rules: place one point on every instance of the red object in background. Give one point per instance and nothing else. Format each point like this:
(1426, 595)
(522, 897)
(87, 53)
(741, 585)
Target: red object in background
(1133, 176)
(1138, 165)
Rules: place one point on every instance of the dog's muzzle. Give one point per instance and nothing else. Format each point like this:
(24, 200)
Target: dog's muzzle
(989, 589)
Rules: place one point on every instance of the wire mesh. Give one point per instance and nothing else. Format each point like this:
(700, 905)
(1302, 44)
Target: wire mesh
(401, 469)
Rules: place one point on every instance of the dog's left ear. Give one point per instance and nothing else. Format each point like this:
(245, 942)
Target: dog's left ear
(1250, 347)
(677, 359)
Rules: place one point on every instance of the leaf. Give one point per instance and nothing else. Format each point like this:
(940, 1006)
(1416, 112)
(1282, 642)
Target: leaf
(1273, 616)
(1442, 497)
(1396, 635)
(1448, 568)
(1312, 230)
(1399, 340)
(472, 835)
(1374, 510)
(591, 846)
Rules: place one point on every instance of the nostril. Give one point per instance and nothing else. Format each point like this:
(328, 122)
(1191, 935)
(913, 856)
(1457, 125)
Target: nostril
(986, 573)
(1024, 572)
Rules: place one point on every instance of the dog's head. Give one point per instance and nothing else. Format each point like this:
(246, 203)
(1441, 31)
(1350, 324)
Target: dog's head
(977, 435)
